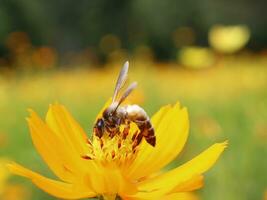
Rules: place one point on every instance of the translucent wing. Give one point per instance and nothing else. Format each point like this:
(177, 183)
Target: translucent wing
(127, 92)
(121, 80)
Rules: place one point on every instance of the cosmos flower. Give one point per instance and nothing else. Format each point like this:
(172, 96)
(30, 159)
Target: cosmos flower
(116, 168)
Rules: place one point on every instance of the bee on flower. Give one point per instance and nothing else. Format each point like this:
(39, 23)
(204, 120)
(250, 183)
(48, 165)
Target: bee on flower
(123, 158)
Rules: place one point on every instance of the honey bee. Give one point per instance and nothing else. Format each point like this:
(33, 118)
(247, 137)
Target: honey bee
(116, 115)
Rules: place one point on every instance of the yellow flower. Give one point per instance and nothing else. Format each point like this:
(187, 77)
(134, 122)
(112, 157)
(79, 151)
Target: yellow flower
(229, 39)
(112, 168)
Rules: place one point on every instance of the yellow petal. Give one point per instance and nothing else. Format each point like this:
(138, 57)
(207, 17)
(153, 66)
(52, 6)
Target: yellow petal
(68, 130)
(63, 124)
(50, 147)
(171, 126)
(173, 196)
(53, 187)
(62, 160)
(108, 179)
(192, 184)
(167, 182)
(181, 196)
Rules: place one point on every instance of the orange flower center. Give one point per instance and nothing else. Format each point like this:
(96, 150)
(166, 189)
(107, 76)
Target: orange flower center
(118, 148)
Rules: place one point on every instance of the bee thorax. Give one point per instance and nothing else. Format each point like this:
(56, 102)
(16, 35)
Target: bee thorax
(121, 112)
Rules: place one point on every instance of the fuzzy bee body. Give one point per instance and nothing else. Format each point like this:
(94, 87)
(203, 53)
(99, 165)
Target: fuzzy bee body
(115, 115)
(136, 114)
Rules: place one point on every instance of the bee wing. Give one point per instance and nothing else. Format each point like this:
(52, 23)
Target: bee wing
(127, 92)
(121, 80)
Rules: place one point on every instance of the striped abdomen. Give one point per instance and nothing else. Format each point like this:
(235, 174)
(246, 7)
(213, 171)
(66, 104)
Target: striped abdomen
(137, 115)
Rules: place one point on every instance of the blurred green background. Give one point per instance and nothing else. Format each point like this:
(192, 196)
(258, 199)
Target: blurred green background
(210, 55)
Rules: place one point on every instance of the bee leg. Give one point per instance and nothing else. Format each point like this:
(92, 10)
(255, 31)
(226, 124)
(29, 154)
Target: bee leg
(137, 140)
(126, 130)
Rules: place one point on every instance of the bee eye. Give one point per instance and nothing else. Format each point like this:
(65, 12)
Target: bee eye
(100, 123)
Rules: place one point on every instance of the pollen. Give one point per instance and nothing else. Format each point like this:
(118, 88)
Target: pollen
(120, 148)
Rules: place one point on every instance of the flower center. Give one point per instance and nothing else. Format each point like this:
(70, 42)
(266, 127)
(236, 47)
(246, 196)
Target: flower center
(118, 147)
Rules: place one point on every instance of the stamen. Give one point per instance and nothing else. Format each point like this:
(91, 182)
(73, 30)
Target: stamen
(101, 143)
(88, 141)
(137, 140)
(113, 154)
(119, 143)
(134, 135)
(121, 147)
(125, 133)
